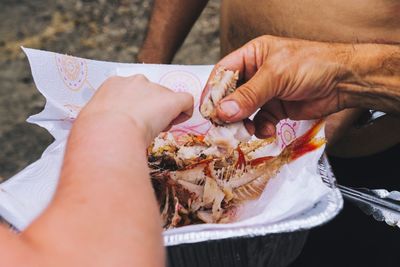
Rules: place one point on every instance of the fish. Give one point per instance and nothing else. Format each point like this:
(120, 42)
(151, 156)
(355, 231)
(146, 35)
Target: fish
(225, 136)
(222, 84)
(206, 186)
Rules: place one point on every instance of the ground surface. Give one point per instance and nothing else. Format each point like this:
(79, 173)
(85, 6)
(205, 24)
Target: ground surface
(102, 29)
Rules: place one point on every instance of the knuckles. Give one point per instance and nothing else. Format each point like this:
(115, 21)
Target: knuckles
(139, 77)
(132, 78)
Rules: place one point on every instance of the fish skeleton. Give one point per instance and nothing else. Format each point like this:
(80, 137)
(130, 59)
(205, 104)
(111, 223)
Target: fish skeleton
(208, 188)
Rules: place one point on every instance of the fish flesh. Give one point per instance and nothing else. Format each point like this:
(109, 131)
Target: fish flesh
(205, 179)
(195, 183)
(222, 135)
(223, 83)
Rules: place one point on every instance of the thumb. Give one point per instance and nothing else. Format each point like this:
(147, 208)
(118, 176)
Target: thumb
(247, 99)
(183, 104)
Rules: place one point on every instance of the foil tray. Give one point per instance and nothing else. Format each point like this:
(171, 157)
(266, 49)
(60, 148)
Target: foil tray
(322, 212)
(273, 245)
(271, 250)
(276, 244)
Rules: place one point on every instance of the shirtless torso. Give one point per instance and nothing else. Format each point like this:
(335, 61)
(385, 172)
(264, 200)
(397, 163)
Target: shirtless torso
(345, 21)
(349, 21)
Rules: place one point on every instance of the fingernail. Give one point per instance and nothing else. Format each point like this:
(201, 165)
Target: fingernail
(230, 108)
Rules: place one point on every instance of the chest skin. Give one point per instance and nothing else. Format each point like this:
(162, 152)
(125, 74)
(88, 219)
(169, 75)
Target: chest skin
(347, 21)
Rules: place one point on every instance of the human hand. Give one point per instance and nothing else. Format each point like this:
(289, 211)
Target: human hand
(285, 78)
(152, 107)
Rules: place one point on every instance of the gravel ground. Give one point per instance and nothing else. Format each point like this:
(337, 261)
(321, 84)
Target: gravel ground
(83, 28)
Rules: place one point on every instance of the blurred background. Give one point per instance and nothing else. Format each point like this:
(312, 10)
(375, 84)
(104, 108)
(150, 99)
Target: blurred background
(83, 28)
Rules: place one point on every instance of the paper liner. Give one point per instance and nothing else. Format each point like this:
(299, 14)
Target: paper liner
(293, 200)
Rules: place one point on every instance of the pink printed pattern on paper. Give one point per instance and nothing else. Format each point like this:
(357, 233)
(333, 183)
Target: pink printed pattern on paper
(197, 129)
(73, 71)
(182, 81)
(286, 130)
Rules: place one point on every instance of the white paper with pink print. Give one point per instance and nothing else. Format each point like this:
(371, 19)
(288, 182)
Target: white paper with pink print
(295, 199)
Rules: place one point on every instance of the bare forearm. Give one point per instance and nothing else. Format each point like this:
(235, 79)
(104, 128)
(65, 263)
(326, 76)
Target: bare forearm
(170, 22)
(104, 212)
(374, 82)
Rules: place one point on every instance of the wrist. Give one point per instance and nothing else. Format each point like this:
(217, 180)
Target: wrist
(371, 78)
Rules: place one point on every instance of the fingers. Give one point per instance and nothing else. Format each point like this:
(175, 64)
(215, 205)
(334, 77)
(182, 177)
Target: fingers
(181, 118)
(246, 60)
(268, 117)
(264, 124)
(160, 107)
(247, 98)
(167, 109)
(186, 103)
(152, 106)
(184, 107)
(276, 109)
(175, 108)
(249, 126)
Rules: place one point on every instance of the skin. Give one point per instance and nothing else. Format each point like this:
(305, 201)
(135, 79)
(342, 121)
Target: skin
(338, 21)
(356, 21)
(104, 212)
(170, 23)
(343, 21)
(298, 79)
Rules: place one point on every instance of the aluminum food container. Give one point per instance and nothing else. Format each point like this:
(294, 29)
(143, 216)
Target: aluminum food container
(276, 244)
(273, 245)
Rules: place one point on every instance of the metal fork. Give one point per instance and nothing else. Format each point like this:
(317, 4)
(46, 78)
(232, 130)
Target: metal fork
(381, 204)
